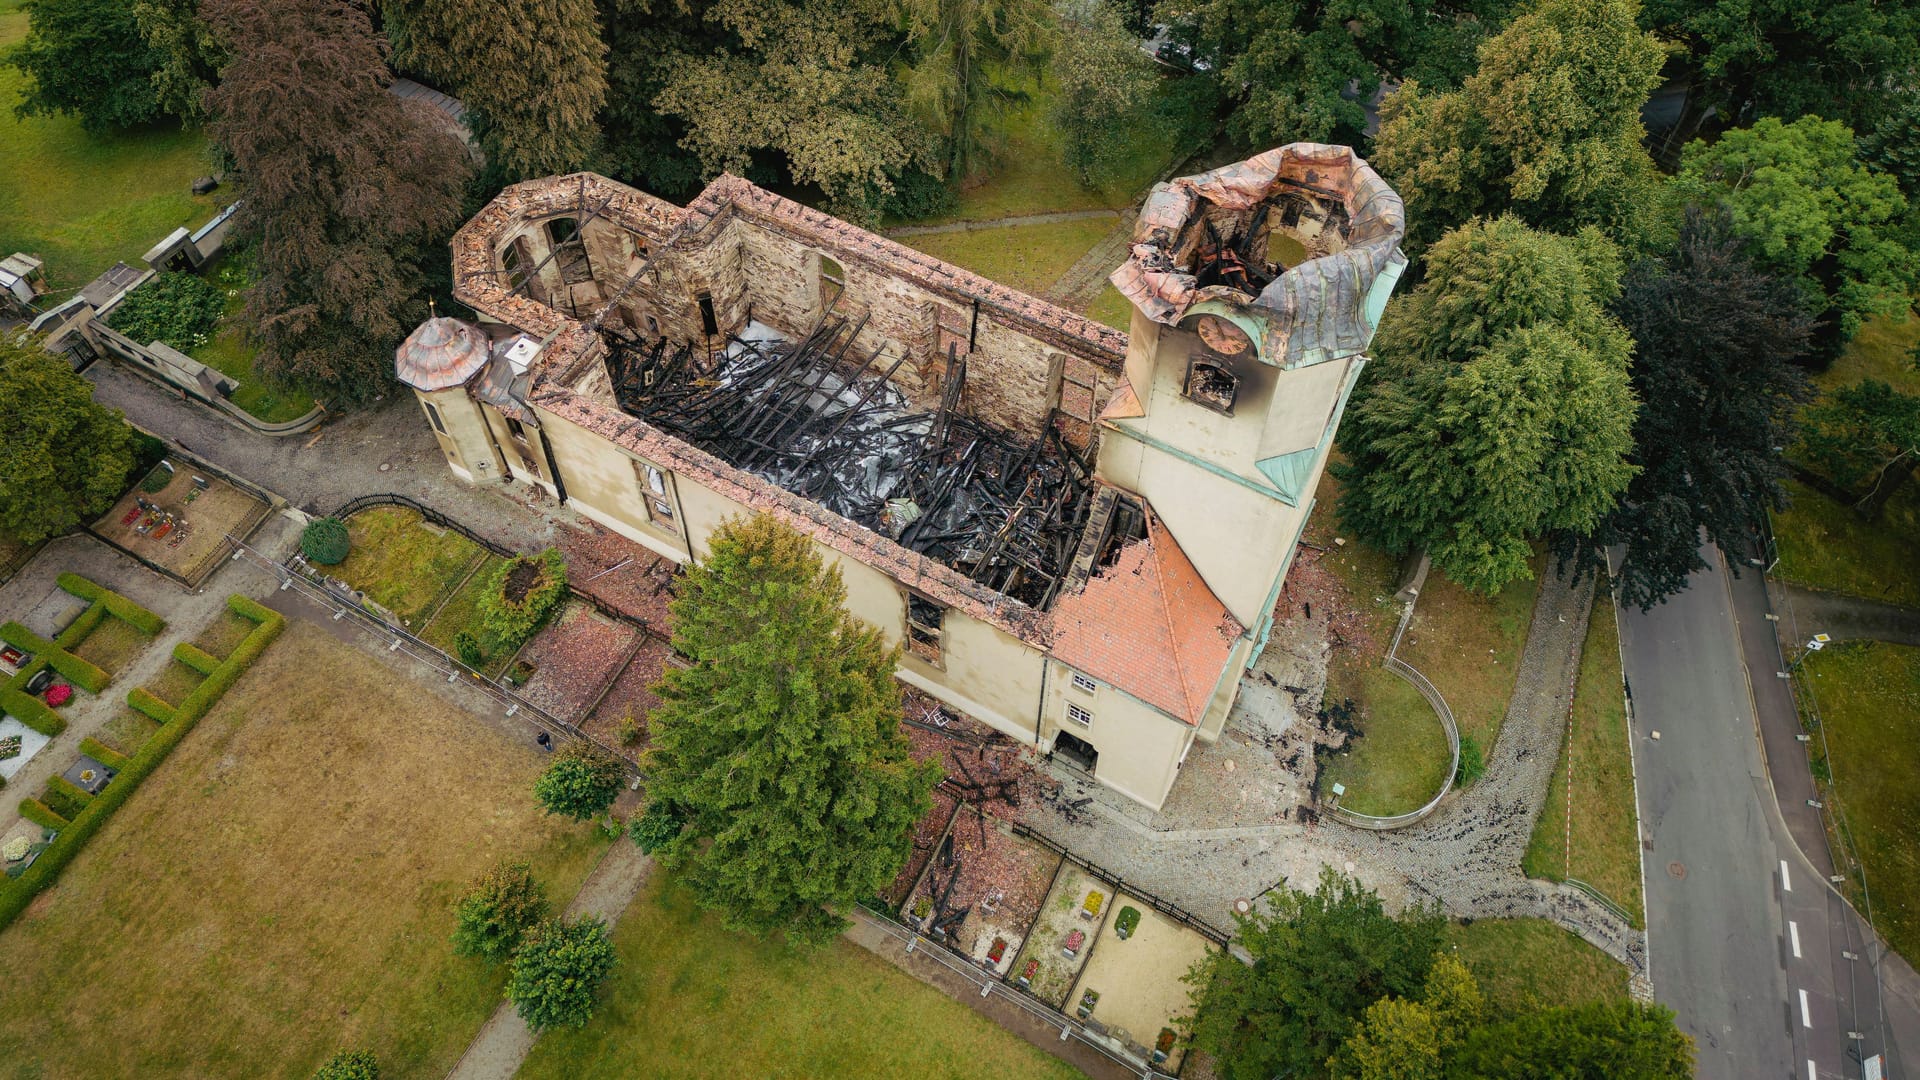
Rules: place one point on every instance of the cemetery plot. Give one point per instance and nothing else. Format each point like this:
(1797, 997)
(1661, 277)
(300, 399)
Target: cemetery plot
(631, 695)
(1134, 980)
(182, 525)
(927, 833)
(572, 661)
(1067, 929)
(981, 890)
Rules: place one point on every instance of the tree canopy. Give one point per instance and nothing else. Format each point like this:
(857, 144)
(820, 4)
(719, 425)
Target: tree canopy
(1813, 210)
(581, 781)
(190, 54)
(557, 973)
(1106, 90)
(345, 185)
(531, 73)
(780, 747)
(1498, 409)
(1609, 1040)
(497, 911)
(1547, 128)
(87, 58)
(966, 52)
(1320, 959)
(1865, 437)
(1413, 1039)
(63, 457)
(1716, 338)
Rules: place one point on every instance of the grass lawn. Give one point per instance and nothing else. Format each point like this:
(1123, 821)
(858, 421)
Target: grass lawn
(462, 612)
(1879, 351)
(1869, 696)
(1025, 257)
(1112, 309)
(128, 731)
(231, 354)
(1400, 759)
(1521, 962)
(1828, 546)
(176, 681)
(281, 887)
(224, 634)
(82, 201)
(111, 644)
(402, 563)
(690, 999)
(1469, 646)
(1605, 849)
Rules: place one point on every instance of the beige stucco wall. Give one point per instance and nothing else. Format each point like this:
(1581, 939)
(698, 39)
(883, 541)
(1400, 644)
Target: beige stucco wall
(468, 451)
(1140, 747)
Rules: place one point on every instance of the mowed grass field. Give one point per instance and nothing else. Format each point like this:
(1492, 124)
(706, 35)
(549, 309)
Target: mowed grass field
(281, 887)
(1532, 963)
(692, 999)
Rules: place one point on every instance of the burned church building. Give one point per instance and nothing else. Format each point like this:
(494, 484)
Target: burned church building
(1078, 535)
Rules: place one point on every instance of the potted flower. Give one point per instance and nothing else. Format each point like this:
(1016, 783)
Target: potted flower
(59, 694)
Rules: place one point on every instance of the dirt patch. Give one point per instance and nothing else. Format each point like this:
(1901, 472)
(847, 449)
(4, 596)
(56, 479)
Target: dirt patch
(631, 695)
(1138, 978)
(182, 527)
(627, 577)
(520, 581)
(575, 658)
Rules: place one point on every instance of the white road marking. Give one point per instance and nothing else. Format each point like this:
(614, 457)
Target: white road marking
(1806, 1018)
(1786, 883)
(1813, 1072)
(1793, 930)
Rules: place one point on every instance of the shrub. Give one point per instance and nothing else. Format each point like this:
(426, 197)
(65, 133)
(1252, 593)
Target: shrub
(104, 754)
(521, 595)
(42, 815)
(325, 541)
(467, 648)
(196, 658)
(521, 671)
(77, 632)
(30, 710)
(179, 309)
(557, 973)
(147, 452)
(1473, 763)
(496, 912)
(655, 828)
(629, 730)
(157, 480)
(64, 799)
(349, 1065)
(581, 781)
(1125, 922)
(119, 606)
(79, 672)
(143, 701)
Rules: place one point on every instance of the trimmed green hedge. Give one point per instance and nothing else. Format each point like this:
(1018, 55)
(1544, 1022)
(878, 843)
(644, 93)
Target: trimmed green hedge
(18, 893)
(65, 799)
(121, 607)
(143, 701)
(196, 658)
(72, 636)
(104, 754)
(41, 814)
(78, 672)
(32, 712)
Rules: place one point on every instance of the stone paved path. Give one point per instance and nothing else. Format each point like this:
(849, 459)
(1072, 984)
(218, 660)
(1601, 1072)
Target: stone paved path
(505, 1040)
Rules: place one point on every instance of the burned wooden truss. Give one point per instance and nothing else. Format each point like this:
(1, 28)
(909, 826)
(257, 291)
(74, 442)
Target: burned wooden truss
(820, 418)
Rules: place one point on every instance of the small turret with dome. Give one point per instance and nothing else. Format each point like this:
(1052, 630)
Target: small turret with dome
(441, 353)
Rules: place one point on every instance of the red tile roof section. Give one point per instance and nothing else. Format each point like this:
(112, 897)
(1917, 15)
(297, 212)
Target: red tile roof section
(1124, 404)
(1149, 625)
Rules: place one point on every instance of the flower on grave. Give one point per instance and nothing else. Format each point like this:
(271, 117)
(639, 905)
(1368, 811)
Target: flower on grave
(16, 849)
(87, 776)
(59, 694)
(9, 747)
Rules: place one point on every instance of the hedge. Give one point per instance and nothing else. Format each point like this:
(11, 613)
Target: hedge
(66, 800)
(145, 702)
(17, 894)
(78, 672)
(196, 658)
(41, 814)
(31, 711)
(121, 607)
(104, 754)
(72, 636)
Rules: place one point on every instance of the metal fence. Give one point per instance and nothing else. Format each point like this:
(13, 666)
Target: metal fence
(1431, 693)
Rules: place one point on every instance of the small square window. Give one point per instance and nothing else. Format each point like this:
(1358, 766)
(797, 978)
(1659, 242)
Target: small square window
(1084, 684)
(1079, 715)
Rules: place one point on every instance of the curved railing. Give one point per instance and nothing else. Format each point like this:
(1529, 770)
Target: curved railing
(1427, 690)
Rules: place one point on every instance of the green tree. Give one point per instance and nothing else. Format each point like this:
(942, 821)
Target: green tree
(63, 458)
(1104, 107)
(966, 54)
(532, 74)
(345, 187)
(497, 910)
(1865, 438)
(1319, 960)
(581, 781)
(190, 54)
(1716, 338)
(1812, 210)
(1498, 408)
(1401, 1039)
(780, 746)
(349, 1065)
(1612, 1040)
(1792, 57)
(557, 973)
(1548, 128)
(1893, 145)
(641, 142)
(657, 827)
(87, 58)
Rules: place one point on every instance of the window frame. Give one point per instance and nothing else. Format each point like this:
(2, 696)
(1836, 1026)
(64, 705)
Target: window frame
(434, 418)
(927, 641)
(1080, 716)
(1084, 683)
(656, 495)
(1194, 363)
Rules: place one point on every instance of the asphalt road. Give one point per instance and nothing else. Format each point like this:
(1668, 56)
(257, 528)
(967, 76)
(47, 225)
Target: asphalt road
(1748, 944)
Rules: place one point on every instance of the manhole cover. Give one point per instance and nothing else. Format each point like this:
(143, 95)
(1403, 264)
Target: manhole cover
(1677, 869)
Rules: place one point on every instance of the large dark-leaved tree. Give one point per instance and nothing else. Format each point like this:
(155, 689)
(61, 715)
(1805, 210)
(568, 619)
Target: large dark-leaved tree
(1716, 337)
(87, 58)
(1865, 439)
(1319, 960)
(779, 750)
(1498, 409)
(63, 457)
(345, 187)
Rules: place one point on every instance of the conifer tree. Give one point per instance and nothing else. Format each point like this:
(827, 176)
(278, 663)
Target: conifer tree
(63, 457)
(780, 748)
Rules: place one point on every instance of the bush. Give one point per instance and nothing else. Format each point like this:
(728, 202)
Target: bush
(196, 658)
(1473, 763)
(496, 912)
(104, 754)
(917, 194)
(118, 606)
(77, 632)
(539, 583)
(629, 730)
(655, 828)
(581, 781)
(179, 309)
(325, 541)
(467, 648)
(64, 799)
(30, 710)
(521, 671)
(157, 480)
(143, 701)
(79, 672)
(42, 815)
(349, 1065)
(557, 973)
